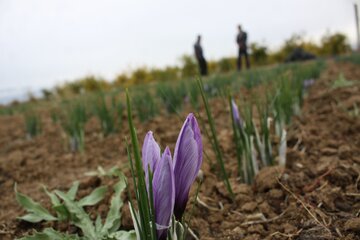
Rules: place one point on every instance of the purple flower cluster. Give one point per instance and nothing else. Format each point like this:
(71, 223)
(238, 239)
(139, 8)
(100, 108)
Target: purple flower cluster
(172, 176)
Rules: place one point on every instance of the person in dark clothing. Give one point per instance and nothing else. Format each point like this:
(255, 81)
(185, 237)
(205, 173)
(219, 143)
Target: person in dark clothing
(200, 57)
(241, 40)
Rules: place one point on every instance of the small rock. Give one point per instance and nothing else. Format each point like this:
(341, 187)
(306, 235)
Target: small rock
(241, 188)
(239, 232)
(68, 157)
(249, 207)
(126, 220)
(238, 188)
(340, 177)
(344, 151)
(288, 228)
(253, 237)
(243, 198)
(267, 178)
(324, 164)
(342, 204)
(353, 224)
(276, 193)
(228, 224)
(214, 219)
(356, 159)
(16, 158)
(258, 228)
(266, 209)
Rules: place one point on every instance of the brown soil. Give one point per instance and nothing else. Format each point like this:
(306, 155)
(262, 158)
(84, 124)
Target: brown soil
(315, 197)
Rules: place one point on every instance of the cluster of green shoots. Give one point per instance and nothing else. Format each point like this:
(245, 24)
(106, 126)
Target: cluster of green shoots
(6, 111)
(172, 97)
(352, 58)
(253, 140)
(275, 115)
(109, 115)
(262, 143)
(65, 207)
(145, 104)
(342, 82)
(73, 122)
(149, 99)
(32, 123)
(73, 114)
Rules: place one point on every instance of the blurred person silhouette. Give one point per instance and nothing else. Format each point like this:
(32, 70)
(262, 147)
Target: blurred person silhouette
(241, 40)
(200, 57)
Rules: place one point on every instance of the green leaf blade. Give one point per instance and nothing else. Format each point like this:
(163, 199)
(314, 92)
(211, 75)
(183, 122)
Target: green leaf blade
(95, 197)
(37, 213)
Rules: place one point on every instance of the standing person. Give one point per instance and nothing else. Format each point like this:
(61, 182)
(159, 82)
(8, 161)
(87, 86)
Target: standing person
(241, 40)
(200, 57)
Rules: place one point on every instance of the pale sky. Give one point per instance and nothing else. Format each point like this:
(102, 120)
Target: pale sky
(45, 42)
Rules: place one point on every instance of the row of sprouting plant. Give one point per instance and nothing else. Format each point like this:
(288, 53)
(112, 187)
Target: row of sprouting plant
(151, 100)
(162, 180)
(352, 58)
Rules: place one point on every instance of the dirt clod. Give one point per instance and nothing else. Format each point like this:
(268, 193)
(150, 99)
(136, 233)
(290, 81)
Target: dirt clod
(353, 224)
(267, 178)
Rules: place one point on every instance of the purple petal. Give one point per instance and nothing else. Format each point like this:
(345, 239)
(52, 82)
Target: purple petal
(150, 154)
(236, 115)
(163, 193)
(187, 162)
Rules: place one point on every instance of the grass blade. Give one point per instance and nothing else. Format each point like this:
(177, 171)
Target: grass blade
(143, 203)
(215, 140)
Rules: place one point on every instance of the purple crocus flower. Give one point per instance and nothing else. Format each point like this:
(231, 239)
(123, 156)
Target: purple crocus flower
(164, 193)
(150, 154)
(172, 179)
(187, 162)
(236, 115)
(163, 184)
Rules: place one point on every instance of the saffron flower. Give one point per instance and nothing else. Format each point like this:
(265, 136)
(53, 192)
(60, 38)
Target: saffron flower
(163, 193)
(236, 115)
(187, 162)
(162, 182)
(172, 177)
(150, 155)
